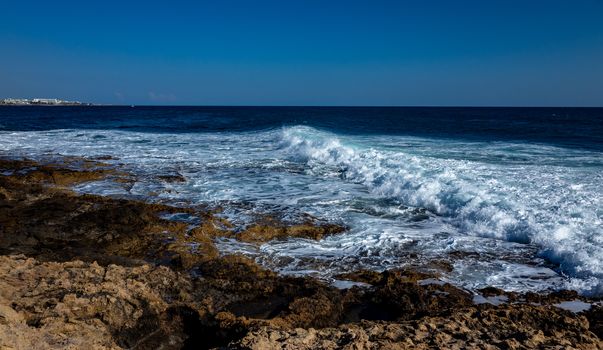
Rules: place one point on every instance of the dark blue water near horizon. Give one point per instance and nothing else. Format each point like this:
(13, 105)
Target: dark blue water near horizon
(565, 127)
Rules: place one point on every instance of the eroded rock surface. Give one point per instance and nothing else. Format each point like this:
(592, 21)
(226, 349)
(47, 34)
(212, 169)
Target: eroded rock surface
(84, 305)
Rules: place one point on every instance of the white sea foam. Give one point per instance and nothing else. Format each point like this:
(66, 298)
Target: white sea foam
(556, 207)
(498, 206)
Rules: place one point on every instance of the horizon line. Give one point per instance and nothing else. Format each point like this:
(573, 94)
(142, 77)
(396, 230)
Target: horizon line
(93, 104)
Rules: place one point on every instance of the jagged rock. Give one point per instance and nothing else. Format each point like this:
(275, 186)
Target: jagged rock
(77, 305)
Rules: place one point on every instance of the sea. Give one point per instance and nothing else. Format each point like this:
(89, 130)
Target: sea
(508, 197)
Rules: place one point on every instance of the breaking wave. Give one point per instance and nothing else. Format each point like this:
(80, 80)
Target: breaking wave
(556, 206)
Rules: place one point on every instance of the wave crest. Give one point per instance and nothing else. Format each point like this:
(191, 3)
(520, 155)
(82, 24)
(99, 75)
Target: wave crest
(553, 207)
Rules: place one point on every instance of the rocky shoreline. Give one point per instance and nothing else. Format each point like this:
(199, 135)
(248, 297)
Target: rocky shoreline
(85, 271)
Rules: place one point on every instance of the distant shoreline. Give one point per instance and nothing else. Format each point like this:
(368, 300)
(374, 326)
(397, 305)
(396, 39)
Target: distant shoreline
(298, 107)
(41, 102)
(56, 105)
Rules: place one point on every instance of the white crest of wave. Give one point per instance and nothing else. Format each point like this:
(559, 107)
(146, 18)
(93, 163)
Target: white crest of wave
(555, 207)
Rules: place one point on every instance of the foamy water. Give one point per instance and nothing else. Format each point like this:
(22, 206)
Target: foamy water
(519, 216)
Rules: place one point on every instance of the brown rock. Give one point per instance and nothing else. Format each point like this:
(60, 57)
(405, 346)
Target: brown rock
(76, 305)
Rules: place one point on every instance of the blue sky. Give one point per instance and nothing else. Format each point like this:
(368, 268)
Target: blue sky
(479, 53)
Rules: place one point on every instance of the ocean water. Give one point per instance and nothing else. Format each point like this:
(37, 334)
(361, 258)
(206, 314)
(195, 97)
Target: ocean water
(511, 197)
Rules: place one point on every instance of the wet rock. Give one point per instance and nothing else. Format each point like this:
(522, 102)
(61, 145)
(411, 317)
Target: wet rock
(54, 224)
(265, 229)
(106, 157)
(172, 178)
(57, 174)
(263, 233)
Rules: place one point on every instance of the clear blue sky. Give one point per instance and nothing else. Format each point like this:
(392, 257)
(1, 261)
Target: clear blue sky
(287, 52)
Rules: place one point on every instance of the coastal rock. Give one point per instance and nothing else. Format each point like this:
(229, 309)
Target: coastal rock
(509, 327)
(262, 232)
(74, 305)
(172, 178)
(59, 174)
(80, 271)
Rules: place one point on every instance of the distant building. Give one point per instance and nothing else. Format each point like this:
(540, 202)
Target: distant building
(15, 101)
(40, 101)
(46, 101)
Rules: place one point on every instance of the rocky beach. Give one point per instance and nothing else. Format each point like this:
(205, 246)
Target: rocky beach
(100, 272)
(300, 175)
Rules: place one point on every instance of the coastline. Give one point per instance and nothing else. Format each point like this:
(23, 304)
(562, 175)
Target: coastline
(86, 270)
(41, 102)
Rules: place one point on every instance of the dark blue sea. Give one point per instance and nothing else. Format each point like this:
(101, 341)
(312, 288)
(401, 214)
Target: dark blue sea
(569, 127)
(510, 197)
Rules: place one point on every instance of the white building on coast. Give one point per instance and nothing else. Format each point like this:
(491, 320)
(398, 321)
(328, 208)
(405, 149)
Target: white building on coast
(39, 101)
